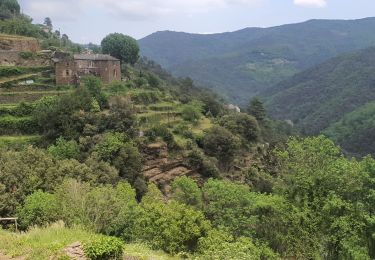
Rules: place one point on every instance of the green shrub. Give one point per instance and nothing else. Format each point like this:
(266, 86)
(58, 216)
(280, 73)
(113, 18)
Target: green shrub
(203, 164)
(10, 71)
(186, 190)
(173, 227)
(64, 149)
(163, 132)
(146, 97)
(26, 55)
(17, 125)
(40, 209)
(192, 112)
(118, 87)
(104, 248)
(221, 245)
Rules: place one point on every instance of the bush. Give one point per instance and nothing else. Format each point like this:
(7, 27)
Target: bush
(221, 245)
(64, 149)
(163, 132)
(40, 209)
(242, 124)
(173, 227)
(26, 55)
(19, 125)
(192, 112)
(10, 71)
(103, 248)
(203, 164)
(146, 97)
(186, 190)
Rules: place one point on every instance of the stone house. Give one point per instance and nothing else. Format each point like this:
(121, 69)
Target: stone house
(70, 69)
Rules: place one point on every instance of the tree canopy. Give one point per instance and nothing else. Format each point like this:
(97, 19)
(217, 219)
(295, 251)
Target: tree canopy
(121, 46)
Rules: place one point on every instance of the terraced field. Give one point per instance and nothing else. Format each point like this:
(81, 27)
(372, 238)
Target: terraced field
(20, 87)
(169, 113)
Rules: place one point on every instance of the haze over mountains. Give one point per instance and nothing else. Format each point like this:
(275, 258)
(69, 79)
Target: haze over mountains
(245, 63)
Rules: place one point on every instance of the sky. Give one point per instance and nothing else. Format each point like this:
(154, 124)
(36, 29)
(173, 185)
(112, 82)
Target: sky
(87, 21)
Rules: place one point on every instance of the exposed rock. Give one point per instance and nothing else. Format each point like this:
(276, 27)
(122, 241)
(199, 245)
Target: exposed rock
(75, 251)
(161, 170)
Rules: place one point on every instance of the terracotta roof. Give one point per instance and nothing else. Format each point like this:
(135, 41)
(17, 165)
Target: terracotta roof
(94, 57)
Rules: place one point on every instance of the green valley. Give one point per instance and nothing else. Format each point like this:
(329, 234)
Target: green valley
(106, 155)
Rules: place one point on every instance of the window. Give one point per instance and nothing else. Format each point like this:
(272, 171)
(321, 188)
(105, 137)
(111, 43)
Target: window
(115, 73)
(67, 72)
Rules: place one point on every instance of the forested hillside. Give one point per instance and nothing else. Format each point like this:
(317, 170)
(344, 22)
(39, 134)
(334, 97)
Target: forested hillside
(242, 63)
(319, 97)
(153, 167)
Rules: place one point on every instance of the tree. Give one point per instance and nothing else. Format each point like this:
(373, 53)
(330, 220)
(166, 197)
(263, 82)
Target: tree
(9, 8)
(316, 178)
(242, 124)
(222, 144)
(186, 190)
(94, 86)
(48, 22)
(120, 46)
(257, 109)
(192, 112)
(64, 149)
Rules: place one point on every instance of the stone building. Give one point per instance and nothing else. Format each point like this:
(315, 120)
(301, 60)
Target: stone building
(69, 69)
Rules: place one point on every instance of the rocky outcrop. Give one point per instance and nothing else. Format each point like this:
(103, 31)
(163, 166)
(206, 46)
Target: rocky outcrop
(161, 170)
(75, 251)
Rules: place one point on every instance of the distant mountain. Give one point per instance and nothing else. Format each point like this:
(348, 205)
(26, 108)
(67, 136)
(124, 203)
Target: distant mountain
(241, 64)
(319, 97)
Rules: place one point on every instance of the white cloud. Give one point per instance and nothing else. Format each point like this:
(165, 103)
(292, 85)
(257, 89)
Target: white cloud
(127, 9)
(311, 3)
(143, 9)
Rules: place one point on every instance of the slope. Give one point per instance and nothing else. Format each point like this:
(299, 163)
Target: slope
(356, 131)
(242, 63)
(319, 97)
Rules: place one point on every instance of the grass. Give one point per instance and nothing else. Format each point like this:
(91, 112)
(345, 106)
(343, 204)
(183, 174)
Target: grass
(203, 124)
(15, 78)
(7, 140)
(41, 243)
(48, 243)
(13, 37)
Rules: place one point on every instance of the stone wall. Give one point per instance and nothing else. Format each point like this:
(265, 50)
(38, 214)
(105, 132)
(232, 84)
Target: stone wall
(13, 58)
(18, 43)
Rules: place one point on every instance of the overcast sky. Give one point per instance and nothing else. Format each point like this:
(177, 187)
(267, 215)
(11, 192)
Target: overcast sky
(90, 20)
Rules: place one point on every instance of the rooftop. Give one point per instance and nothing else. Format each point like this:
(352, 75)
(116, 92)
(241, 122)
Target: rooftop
(102, 57)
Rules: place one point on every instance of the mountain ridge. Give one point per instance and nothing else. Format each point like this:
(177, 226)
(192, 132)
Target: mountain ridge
(238, 64)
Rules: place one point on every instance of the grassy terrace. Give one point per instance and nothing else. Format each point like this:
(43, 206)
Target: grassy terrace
(14, 37)
(16, 78)
(27, 96)
(18, 140)
(49, 243)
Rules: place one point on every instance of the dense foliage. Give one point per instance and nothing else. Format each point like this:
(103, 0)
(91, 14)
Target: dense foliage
(123, 47)
(317, 98)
